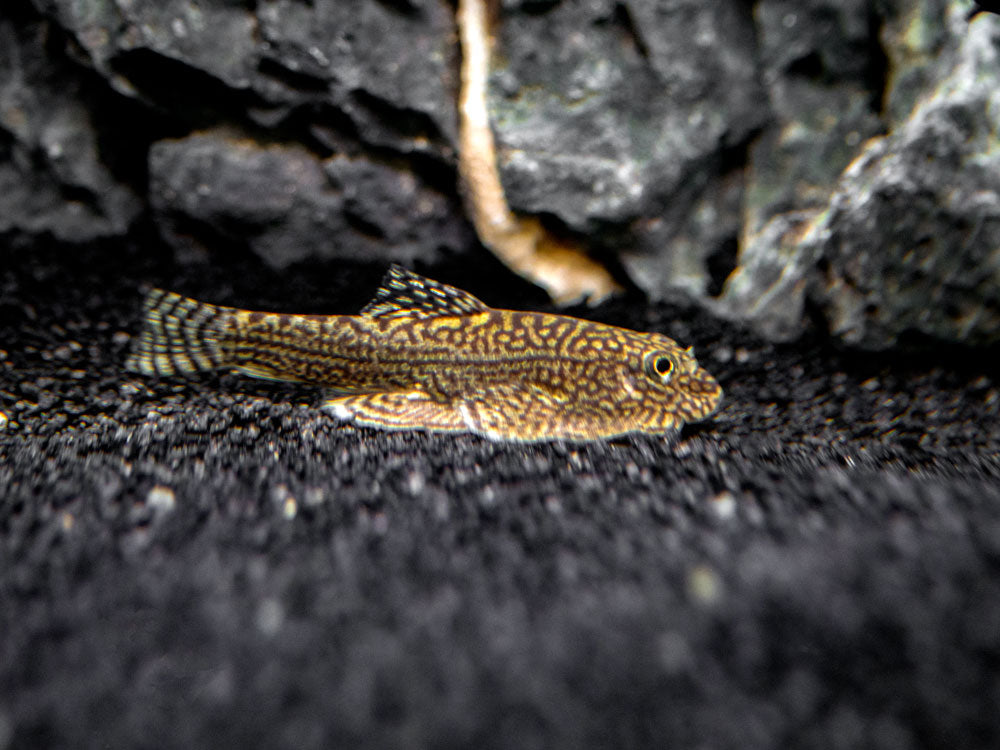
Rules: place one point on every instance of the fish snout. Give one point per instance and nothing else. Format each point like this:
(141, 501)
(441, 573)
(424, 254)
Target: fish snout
(701, 395)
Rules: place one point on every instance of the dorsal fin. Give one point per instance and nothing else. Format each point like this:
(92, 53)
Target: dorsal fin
(405, 294)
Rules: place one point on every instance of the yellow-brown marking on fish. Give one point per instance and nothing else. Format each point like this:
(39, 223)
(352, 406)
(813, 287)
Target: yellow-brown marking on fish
(424, 355)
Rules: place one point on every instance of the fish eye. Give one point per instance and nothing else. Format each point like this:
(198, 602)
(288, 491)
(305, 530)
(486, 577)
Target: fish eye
(659, 365)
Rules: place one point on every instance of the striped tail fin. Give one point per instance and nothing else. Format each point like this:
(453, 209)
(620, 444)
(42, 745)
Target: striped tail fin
(179, 335)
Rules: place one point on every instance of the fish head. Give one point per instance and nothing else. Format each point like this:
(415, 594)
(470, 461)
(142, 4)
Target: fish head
(664, 386)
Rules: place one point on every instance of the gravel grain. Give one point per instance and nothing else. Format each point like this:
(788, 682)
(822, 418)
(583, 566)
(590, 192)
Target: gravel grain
(217, 563)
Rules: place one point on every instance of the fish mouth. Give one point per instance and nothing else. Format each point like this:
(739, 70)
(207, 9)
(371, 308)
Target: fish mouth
(705, 395)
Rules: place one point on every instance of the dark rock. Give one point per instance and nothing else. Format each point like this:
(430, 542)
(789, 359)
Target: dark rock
(381, 73)
(673, 255)
(818, 59)
(795, 163)
(619, 119)
(768, 289)
(287, 205)
(908, 239)
(821, 39)
(53, 175)
(687, 138)
(391, 68)
(346, 77)
(606, 110)
(920, 40)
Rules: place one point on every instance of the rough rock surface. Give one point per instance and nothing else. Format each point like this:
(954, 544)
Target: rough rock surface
(286, 204)
(384, 72)
(823, 38)
(361, 94)
(919, 40)
(53, 177)
(679, 136)
(823, 72)
(216, 563)
(602, 109)
(615, 116)
(909, 240)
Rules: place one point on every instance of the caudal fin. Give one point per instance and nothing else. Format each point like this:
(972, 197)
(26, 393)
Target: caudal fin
(179, 335)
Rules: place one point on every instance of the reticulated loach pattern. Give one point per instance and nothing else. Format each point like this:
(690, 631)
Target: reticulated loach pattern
(425, 355)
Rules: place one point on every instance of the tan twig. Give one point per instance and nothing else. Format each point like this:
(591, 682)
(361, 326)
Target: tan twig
(560, 267)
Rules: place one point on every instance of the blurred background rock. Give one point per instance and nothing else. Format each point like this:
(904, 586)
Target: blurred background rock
(781, 163)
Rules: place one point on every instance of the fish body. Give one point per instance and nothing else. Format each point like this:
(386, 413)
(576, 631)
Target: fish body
(424, 355)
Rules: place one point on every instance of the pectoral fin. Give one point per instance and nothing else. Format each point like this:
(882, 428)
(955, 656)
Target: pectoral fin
(398, 410)
(513, 412)
(525, 413)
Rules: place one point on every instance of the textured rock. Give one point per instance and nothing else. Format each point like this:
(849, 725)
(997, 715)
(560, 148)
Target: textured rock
(52, 175)
(343, 77)
(920, 45)
(796, 162)
(287, 205)
(818, 60)
(377, 73)
(687, 138)
(821, 38)
(604, 110)
(678, 253)
(909, 241)
(769, 287)
(390, 67)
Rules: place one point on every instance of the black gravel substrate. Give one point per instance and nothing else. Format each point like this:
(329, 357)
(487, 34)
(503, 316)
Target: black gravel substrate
(217, 563)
